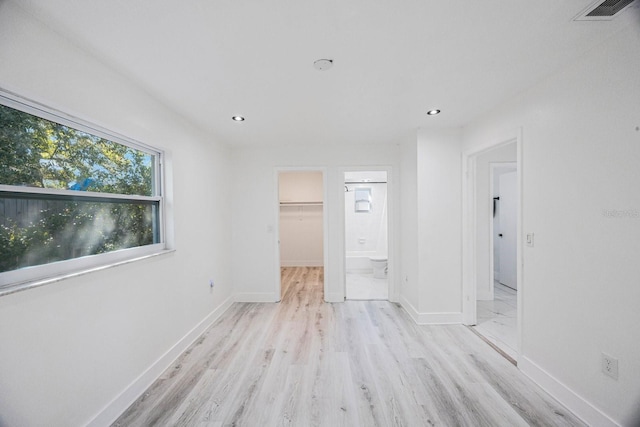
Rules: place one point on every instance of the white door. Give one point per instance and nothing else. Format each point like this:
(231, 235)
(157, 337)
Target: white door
(508, 228)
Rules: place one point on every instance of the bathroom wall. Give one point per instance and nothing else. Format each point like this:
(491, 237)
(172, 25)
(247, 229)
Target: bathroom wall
(366, 232)
(300, 195)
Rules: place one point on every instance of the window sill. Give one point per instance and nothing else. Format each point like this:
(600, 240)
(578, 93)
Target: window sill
(47, 281)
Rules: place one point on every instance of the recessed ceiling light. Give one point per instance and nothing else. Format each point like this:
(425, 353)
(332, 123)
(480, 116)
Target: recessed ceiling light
(238, 118)
(433, 112)
(323, 64)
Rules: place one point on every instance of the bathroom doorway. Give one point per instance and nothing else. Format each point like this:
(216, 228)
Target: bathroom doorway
(301, 234)
(366, 235)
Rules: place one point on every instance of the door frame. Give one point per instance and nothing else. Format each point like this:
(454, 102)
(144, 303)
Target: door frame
(391, 228)
(325, 225)
(469, 227)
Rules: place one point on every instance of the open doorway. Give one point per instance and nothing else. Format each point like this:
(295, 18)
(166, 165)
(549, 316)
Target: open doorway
(493, 215)
(366, 235)
(498, 314)
(301, 235)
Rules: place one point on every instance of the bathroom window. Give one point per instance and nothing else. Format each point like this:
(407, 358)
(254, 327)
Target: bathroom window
(72, 196)
(363, 199)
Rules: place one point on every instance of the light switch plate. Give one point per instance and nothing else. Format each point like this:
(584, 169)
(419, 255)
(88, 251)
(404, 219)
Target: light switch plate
(530, 239)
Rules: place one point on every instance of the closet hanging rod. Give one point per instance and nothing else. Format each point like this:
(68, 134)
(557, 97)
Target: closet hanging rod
(368, 182)
(300, 203)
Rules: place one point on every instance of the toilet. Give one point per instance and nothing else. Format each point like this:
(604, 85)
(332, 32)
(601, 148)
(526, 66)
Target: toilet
(379, 267)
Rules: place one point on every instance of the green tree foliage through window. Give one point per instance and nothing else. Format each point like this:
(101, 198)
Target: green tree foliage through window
(40, 228)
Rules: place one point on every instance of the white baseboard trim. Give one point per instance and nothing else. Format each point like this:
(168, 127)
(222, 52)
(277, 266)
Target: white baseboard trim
(256, 297)
(429, 318)
(409, 308)
(334, 297)
(577, 404)
(118, 405)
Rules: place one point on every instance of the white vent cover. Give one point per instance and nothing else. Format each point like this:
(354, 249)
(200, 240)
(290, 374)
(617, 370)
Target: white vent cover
(603, 10)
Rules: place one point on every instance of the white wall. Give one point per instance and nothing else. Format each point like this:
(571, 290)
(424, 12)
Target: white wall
(439, 222)
(301, 225)
(431, 277)
(255, 214)
(409, 282)
(431, 234)
(581, 148)
(68, 349)
(484, 206)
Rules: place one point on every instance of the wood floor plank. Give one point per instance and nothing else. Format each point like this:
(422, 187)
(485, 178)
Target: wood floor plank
(303, 362)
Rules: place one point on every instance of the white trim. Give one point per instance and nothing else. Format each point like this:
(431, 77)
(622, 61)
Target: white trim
(46, 281)
(409, 308)
(72, 194)
(519, 252)
(35, 108)
(334, 297)
(452, 318)
(276, 230)
(39, 275)
(257, 297)
(469, 226)
(393, 292)
(325, 232)
(572, 401)
(117, 406)
(469, 217)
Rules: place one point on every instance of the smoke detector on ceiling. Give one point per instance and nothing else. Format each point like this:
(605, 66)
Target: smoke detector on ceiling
(603, 10)
(323, 64)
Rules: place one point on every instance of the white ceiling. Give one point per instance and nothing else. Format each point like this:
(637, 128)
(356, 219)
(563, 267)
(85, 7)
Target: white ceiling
(394, 59)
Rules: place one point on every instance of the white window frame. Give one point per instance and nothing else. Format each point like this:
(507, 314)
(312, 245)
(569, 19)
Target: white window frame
(29, 277)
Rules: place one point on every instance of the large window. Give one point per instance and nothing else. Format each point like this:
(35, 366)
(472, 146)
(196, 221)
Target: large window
(72, 196)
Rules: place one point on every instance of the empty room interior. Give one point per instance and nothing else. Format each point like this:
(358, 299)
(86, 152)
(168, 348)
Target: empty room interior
(319, 213)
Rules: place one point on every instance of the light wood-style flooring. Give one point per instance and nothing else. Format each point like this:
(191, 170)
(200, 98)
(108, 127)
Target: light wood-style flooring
(498, 319)
(303, 362)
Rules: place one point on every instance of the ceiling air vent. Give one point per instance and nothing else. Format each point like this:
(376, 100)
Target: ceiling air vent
(603, 10)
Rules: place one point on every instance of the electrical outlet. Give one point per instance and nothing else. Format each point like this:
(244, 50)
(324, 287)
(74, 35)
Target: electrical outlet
(610, 366)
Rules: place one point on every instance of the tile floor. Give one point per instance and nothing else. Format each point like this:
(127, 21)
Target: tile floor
(497, 319)
(363, 286)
